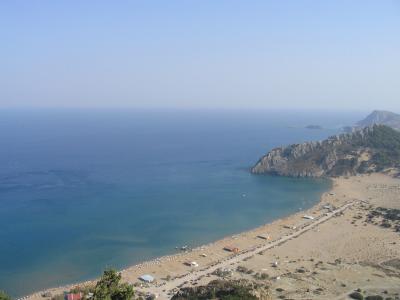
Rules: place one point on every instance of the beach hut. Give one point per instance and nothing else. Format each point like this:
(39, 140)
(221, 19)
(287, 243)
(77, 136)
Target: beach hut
(231, 249)
(147, 278)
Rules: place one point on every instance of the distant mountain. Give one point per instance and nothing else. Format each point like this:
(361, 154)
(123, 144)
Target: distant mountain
(381, 117)
(371, 149)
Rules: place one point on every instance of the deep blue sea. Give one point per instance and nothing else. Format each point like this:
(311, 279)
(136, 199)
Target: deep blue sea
(82, 190)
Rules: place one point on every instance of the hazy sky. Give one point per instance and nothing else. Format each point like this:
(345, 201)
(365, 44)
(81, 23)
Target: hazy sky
(200, 53)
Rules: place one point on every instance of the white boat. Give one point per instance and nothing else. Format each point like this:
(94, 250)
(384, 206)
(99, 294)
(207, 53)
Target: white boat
(308, 217)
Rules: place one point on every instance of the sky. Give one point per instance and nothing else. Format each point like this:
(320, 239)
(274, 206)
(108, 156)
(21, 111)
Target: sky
(201, 54)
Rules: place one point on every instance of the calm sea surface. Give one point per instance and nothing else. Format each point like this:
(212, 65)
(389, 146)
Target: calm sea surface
(83, 190)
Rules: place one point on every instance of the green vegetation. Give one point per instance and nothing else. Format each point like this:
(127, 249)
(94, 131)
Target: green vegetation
(380, 141)
(110, 288)
(261, 276)
(85, 290)
(4, 296)
(368, 150)
(356, 295)
(385, 143)
(375, 297)
(388, 217)
(222, 290)
(242, 269)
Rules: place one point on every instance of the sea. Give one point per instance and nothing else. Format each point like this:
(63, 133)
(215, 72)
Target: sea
(82, 190)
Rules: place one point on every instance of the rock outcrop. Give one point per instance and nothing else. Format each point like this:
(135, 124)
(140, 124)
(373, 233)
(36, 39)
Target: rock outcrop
(371, 149)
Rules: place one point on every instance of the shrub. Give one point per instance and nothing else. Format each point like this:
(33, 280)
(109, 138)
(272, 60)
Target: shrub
(356, 295)
(4, 296)
(110, 288)
(217, 289)
(242, 269)
(375, 297)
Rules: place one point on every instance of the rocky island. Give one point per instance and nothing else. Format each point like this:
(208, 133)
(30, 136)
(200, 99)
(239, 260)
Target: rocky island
(372, 149)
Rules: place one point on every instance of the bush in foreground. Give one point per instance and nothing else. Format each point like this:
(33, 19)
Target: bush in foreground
(110, 288)
(4, 296)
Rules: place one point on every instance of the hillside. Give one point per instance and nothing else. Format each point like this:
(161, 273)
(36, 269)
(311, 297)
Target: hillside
(368, 150)
(380, 117)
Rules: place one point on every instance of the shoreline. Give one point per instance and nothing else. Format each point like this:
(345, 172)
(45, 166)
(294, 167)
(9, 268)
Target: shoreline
(162, 259)
(336, 232)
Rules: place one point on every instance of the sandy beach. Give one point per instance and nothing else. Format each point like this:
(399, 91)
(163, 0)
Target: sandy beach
(325, 256)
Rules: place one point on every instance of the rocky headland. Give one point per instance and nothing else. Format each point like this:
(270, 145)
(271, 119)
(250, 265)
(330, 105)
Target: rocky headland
(371, 149)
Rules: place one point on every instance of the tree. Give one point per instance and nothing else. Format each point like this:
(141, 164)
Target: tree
(124, 292)
(4, 296)
(110, 288)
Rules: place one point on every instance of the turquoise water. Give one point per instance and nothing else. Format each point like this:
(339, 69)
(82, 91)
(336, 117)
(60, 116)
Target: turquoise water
(82, 190)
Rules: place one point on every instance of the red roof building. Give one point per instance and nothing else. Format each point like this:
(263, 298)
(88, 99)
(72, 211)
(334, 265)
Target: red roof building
(72, 296)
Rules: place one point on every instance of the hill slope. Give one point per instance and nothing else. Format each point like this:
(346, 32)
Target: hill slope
(371, 149)
(380, 117)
